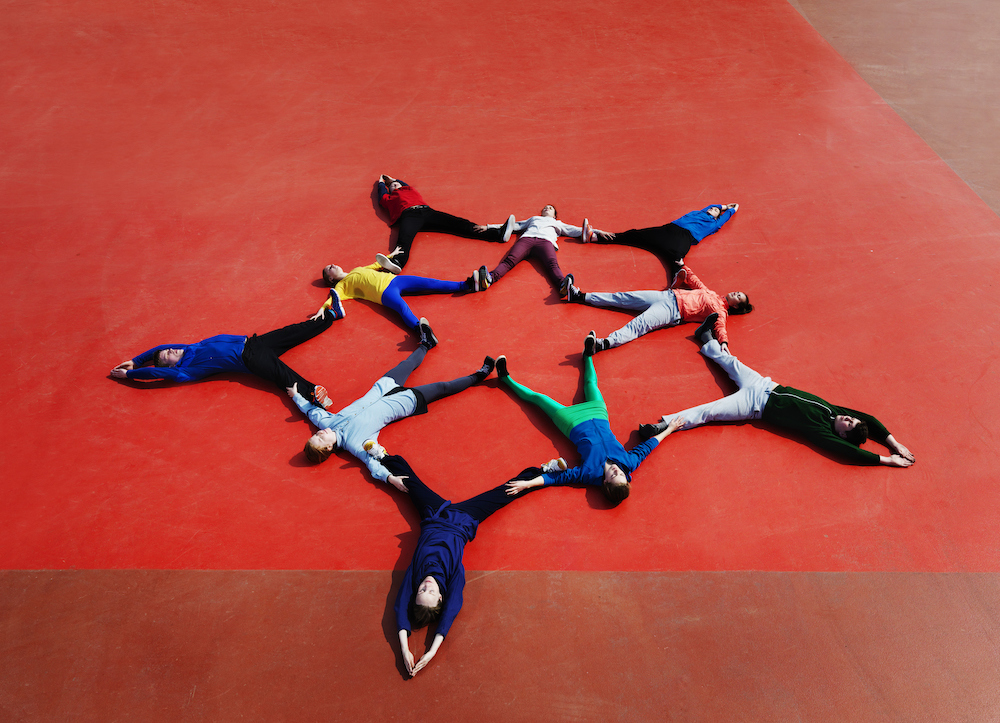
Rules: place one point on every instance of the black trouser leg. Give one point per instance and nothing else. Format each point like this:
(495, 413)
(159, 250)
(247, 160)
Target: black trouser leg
(426, 500)
(411, 222)
(437, 390)
(264, 362)
(404, 369)
(281, 340)
(483, 505)
(446, 223)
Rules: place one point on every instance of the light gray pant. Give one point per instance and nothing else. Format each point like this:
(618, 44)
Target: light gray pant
(659, 310)
(747, 403)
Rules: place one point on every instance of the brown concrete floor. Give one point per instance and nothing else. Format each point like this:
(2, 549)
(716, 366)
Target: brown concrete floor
(936, 63)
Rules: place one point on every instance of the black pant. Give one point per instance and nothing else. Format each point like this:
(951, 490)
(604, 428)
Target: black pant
(424, 218)
(670, 243)
(427, 393)
(427, 501)
(261, 353)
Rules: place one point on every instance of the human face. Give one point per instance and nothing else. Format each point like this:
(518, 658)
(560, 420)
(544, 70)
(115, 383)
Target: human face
(736, 299)
(715, 212)
(613, 475)
(549, 210)
(332, 274)
(170, 357)
(428, 594)
(843, 424)
(395, 186)
(324, 439)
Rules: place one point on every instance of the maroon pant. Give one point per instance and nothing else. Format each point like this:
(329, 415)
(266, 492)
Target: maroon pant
(529, 246)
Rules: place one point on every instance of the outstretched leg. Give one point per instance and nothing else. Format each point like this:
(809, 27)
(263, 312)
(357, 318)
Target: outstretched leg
(281, 340)
(261, 353)
(456, 226)
(591, 392)
(546, 252)
(518, 253)
(485, 504)
(438, 390)
(404, 369)
(546, 404)
(426, 500)
(392, 297)
(660, 315)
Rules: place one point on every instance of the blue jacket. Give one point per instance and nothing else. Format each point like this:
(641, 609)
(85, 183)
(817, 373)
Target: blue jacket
(222, 353)
(701, 224)
(597, 445)
(443, 537)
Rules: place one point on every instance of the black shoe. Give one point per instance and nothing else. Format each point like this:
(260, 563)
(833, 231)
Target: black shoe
(590, 344)
(501, 365)
(485, 279)
(472, 283)
(575, 296)
(485, 369)
(646, 431)
(705, 333)
(565, 285)
(427, 338)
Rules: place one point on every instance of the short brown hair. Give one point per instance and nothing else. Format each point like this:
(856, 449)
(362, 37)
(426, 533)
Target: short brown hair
(158, 360)
(424, 615)
(617, 493)
(315, 454)
(858, 435)
(745, 308)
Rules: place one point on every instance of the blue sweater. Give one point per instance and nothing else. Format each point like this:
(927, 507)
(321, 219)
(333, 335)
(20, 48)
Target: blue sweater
(443, 537)
(701, 224)
(222, 353)
(597, 445)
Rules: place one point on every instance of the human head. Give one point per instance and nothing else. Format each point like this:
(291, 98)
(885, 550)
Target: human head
(427, 603)
(851, 429)
(321, 445)
(616, 483)
(738, 302)
(167, 357)
(333, 274)
(550, 211)
(395, 186)
(715, 211)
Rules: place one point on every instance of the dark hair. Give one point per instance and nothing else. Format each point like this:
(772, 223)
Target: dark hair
(554, 209)
(316, 455)
(327, 280)
(158, 360)
(617, 493)
(422, 615)
(745, 308)
(859, 434)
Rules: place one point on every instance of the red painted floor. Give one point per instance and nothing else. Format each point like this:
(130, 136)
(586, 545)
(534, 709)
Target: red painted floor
(174, 171)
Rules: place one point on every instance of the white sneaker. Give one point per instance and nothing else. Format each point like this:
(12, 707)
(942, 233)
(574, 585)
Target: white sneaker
(388, 264)
(374, 449)
(508, 228)
(554, 465)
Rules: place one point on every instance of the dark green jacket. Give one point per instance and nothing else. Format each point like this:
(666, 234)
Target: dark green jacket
(812, 418)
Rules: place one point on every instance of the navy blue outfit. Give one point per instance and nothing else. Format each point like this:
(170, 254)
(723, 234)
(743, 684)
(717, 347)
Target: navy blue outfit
(596, 444)
(445, 529)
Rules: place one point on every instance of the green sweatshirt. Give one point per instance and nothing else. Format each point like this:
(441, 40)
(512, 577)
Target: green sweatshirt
(812, 418)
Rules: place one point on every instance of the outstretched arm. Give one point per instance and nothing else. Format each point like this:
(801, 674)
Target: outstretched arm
(517, 486)
(120, 371)
(894, 461)
(428, 656)
(674, 425)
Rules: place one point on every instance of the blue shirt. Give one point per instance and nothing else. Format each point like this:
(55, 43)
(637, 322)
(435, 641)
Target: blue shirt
(701, 223)
(443, 537)
(597, 445)
(222, 353)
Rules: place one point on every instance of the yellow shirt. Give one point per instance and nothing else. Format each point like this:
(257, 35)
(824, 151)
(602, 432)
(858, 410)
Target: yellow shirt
(364, 282)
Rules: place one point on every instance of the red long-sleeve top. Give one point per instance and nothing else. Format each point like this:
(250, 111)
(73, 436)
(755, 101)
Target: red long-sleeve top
(695, 302)
(398, 201)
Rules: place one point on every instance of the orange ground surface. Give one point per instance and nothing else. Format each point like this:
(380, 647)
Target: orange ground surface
(175, 170)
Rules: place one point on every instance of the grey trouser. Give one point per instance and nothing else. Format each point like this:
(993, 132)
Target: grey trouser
(659, 310)
(747, 403)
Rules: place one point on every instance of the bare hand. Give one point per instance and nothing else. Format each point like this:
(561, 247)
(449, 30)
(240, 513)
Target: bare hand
(479, 228)
(428, 656)
(319, 314)
(517, 486)
(119, 373)
(395, 252)
(899, 461)
(408, 660)
(605, 235)
(127, 364)
(904, 452)
(397, 482)
(292, 390)
(674, 425)
(724, 346)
